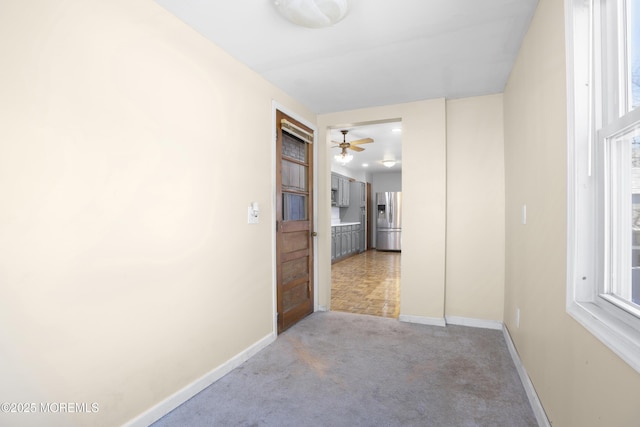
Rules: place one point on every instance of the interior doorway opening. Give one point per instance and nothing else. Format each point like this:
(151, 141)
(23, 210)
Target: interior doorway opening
(364, 279)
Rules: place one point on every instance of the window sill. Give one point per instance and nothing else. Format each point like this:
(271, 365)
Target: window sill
(615, 333)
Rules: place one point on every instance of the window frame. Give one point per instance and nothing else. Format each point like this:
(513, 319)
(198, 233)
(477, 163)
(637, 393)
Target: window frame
(591, 256)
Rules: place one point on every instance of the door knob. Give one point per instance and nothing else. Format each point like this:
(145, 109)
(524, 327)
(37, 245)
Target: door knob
(314, 234)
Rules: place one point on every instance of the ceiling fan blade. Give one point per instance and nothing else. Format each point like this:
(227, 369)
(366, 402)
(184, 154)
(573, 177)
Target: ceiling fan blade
(356, 148)
(361, 141)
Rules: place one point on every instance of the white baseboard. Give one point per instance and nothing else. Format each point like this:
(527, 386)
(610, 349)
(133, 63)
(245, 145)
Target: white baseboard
(473, 323)
(534, 400)
(433, 321)
(178, 398)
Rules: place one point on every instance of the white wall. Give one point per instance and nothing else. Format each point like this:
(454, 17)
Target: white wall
(123, 231)
(389, 181)
(580, 382)
(357, 175)
(475, 208)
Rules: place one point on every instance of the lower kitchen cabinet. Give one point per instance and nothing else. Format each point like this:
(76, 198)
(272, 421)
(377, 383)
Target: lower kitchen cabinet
(355, 239)
(345, 241)
(333, 243)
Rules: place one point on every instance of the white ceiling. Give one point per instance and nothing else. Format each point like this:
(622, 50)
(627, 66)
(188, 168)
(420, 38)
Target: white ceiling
(384, 52)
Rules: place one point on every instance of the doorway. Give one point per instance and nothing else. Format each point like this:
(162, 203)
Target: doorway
(366, 281)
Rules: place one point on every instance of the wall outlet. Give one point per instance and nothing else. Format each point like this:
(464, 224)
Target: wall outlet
(517, 317)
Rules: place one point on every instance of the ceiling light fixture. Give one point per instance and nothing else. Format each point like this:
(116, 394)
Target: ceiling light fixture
(313, 13)
(389, 163)
(344, 158)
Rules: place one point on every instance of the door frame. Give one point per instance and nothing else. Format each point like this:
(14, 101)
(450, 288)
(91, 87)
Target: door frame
(274, 157)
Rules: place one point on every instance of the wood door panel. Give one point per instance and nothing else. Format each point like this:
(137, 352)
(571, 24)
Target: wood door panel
(291, 317)
(296, 296)
(289, 286)
(295, 241)
(294, 255)
(295, 269)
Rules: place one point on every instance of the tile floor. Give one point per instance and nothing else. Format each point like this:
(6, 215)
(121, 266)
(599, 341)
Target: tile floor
(367, 283)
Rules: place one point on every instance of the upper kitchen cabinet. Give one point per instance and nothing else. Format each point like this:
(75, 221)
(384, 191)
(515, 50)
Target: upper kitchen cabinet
(335, 181)
(340, 186)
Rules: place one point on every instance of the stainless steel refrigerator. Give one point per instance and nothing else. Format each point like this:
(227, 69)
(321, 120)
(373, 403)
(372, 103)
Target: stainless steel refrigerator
(389, 222)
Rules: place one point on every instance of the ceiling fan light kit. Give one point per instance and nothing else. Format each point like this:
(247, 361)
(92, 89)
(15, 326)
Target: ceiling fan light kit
(313, 13)
(344, 158)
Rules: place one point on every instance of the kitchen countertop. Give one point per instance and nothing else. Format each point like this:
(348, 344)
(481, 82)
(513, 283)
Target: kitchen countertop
(340, 224)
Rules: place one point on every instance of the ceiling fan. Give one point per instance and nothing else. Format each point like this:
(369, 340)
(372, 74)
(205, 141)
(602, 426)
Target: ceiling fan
(352, 145)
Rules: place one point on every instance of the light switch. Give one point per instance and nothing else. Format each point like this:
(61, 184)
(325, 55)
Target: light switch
(253, 213)
(524, 214)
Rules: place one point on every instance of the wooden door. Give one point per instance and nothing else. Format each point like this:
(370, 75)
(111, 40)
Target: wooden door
(294, 221)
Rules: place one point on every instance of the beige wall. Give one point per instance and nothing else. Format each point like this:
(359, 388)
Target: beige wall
(475, 208)
(580, 382)
(130, 148)
(453, 195)
(123, 230)
(424, 199)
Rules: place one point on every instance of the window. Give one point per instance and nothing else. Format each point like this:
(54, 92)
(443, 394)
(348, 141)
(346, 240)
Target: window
(603, 260)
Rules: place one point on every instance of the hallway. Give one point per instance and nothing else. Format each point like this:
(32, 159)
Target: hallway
(367, 283)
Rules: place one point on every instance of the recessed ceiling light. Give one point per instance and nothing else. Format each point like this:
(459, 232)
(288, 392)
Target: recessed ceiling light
(365, 165)
(396, 130)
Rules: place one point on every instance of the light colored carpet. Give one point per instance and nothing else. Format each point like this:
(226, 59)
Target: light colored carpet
(341, 369)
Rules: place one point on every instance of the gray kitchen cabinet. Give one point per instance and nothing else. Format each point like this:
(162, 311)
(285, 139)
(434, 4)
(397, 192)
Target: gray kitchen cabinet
(335, 181)
(340, 185)
(346, 186)
(333, 244)
(355, 239)
(343, 192)
(345, 241)
(363, 195)
(363, 229)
